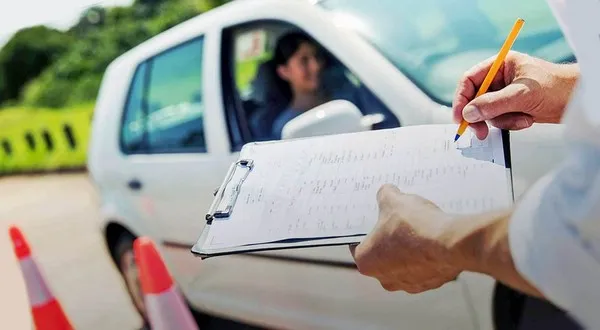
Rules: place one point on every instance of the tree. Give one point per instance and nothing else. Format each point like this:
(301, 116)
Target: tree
(91, 19)
(26, 55)
(101, 35)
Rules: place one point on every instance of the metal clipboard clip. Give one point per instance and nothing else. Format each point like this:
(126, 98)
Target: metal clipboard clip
(234, 191)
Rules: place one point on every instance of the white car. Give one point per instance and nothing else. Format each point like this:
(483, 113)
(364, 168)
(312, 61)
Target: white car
(173, 113)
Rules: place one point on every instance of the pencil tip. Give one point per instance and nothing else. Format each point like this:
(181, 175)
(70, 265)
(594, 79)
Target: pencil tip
(456, 137)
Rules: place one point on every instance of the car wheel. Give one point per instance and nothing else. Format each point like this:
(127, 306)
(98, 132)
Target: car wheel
(124, 257)
(123, 253)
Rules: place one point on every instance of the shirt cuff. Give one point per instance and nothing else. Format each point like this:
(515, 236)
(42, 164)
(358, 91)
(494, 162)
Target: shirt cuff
(548, 251)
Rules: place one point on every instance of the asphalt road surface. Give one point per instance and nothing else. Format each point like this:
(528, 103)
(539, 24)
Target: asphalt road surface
(59, 217)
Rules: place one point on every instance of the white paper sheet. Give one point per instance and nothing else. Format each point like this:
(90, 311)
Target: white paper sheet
(326, 187)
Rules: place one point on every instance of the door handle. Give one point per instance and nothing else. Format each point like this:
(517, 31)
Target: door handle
(134, 184)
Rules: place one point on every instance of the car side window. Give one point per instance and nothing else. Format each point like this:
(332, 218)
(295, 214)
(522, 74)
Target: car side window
(264, 96)
(165, 109)
(132, 131)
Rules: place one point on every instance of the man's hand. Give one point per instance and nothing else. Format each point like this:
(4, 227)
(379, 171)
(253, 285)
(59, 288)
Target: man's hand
(526, 90)
(416, 247)
(405, 250)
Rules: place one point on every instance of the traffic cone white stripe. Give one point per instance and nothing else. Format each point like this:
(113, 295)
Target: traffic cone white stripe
(46, 311)
(37, 290)
(167, 311)
(165, 307)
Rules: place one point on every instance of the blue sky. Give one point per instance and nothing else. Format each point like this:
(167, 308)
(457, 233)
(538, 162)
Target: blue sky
(60, 14)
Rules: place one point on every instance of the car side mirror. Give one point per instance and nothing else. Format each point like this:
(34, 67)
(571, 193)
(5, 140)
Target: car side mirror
(334, 117)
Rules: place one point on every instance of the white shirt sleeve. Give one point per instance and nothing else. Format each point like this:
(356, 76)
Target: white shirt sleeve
(554, 233)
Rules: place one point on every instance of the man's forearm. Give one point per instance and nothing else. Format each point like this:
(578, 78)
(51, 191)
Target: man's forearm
(481, 245)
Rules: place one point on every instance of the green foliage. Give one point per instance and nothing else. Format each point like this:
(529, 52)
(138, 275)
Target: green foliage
(49, 79)
(90, 20)
(171, 15)
(120, 15)
(26, 55)
(86, 89)
(149, 2)
(47, 92)
(206, 5)
(76, 76)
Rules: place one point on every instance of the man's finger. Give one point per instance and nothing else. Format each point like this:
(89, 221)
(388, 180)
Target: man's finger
(461, 99)
(391, 285)
(481, 129)
(387, 195)
(513, 121)
(477, 73)
(352, 248)
(365, 261)
(511, 98)
(468, 86)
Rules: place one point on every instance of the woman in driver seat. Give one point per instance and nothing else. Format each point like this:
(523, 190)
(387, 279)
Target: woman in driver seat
(307, 78)
(298, 64)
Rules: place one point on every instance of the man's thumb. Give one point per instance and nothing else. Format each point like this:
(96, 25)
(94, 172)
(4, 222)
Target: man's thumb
(490, 105)
(387, 195)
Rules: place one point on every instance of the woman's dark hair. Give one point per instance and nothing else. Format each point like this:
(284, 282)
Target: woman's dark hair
(286, 47)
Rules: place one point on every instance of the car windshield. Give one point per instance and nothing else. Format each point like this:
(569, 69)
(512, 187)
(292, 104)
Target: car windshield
(433, 42)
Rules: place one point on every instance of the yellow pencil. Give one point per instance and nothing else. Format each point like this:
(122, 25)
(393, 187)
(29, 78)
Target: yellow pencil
(508, 43)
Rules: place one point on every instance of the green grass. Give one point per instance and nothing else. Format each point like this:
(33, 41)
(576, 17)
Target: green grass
(16, 123)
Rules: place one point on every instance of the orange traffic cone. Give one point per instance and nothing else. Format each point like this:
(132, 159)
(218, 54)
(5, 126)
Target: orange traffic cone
(165, 307)
(46, 311)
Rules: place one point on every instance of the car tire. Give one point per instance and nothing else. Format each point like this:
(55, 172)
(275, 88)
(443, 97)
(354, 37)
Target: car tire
(124, 258)
(123, 255)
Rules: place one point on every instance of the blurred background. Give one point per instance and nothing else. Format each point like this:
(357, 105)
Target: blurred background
(52, 58)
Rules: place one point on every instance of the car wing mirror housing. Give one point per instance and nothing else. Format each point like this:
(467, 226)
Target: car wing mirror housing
(334, 117)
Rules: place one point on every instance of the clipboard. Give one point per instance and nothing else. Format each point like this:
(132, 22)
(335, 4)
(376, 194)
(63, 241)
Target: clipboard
(220, 196)
(227, 196)
(223, 206)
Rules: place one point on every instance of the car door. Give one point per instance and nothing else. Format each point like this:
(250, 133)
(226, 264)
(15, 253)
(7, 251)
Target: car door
(183, 151)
